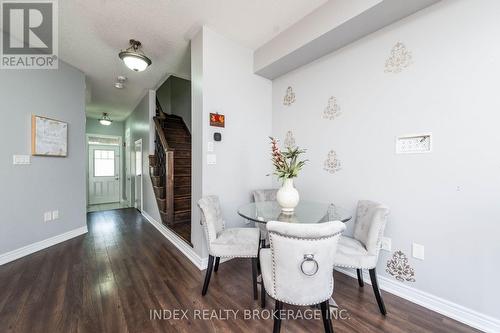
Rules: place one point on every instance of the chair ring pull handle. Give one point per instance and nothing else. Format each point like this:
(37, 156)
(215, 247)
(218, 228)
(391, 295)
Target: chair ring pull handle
(309, 258)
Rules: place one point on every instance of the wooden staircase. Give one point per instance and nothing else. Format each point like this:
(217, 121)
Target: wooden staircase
(170, 168)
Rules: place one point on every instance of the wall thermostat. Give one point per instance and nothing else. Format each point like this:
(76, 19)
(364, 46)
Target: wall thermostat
(217, 136)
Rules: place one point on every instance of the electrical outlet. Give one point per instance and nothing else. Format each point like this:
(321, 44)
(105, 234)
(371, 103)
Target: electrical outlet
(55, 214)
(47, 216)
(386, 243)
(418, 251)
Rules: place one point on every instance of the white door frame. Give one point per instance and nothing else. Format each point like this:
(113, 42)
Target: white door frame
(136, 142)
(87, 136)
(128, 167)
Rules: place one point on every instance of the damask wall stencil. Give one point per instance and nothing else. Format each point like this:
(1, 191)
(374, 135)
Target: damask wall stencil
(332, 163)
(289, 140)
(399, 59)
(289, 98)
(332, 110)
(399, 267)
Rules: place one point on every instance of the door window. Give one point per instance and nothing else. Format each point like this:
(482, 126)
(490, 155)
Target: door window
(104, 163)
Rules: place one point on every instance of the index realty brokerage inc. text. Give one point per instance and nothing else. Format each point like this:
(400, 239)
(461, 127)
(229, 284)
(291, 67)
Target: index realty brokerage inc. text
(246, 314)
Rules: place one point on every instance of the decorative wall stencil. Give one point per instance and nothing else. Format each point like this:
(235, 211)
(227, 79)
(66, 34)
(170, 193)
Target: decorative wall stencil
(289, 98)
(399, 268)
(332, 163)
(332, 110)
(289, 140)
(399, 59)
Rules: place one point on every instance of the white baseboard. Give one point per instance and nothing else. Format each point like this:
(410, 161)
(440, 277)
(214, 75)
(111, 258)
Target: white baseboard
(180, 244)
(35, 247)
(449, 309)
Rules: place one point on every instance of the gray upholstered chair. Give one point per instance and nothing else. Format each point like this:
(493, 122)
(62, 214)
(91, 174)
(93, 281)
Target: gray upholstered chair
(259, 196)
(222, 242)
(298, 268)
(361, 251)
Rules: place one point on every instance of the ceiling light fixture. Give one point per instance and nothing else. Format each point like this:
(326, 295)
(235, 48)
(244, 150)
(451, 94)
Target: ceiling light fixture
(134, 58)
(105, 120)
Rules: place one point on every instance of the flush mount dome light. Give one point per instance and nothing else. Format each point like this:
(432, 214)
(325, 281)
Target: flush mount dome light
(105, 120)
(134, 58)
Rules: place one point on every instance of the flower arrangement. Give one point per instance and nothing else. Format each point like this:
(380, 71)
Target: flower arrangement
(286, 164)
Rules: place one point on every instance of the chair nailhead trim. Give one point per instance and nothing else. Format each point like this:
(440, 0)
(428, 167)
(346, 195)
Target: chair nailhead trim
(274, 265)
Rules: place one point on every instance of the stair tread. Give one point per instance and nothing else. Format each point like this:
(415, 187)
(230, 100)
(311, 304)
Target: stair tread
(182, 211)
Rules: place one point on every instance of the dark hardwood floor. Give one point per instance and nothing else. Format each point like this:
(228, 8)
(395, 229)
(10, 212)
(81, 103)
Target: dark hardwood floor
(109, 279)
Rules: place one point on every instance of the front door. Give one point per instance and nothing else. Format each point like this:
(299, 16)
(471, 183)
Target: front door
(104, 177)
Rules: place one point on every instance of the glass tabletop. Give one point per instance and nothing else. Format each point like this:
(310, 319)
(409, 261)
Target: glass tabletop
(305, 212)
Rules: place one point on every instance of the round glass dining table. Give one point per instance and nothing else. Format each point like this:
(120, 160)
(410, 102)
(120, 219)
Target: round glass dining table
(305, 212)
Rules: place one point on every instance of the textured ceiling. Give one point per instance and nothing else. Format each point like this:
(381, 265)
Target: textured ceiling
(92, 32)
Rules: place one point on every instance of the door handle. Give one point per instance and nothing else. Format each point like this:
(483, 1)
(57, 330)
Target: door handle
(117, 178)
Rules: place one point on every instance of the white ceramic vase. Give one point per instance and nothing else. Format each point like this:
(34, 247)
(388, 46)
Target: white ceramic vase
(288, 196)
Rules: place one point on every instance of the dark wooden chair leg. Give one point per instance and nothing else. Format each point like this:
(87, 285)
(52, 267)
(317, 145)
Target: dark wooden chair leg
(216, 267)
(360, 277)
(254, 278)
(327, 320)
(376, 291)
(277, 317)
(262, 294)
(207, 275)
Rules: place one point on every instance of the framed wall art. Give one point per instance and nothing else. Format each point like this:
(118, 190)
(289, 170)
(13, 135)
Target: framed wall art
(49, 137)
(217, 120)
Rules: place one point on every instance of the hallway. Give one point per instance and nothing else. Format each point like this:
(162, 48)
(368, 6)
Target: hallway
(128, 268)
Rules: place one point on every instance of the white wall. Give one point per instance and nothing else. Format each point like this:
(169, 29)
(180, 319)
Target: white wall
(174, 96)
(446, 200)
(139, 123)
(197, 238)
(228, 86)
(48, 183)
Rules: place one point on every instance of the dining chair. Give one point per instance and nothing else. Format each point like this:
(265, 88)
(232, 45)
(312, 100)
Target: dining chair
(259, 196)
(362, 250)
(226, 242)
(298, 267)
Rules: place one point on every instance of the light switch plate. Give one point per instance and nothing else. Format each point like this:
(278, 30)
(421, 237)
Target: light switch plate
(386, 243)
(418, 251)
(210, 147)
(211, 159)
(47, 216)
(21, 159)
